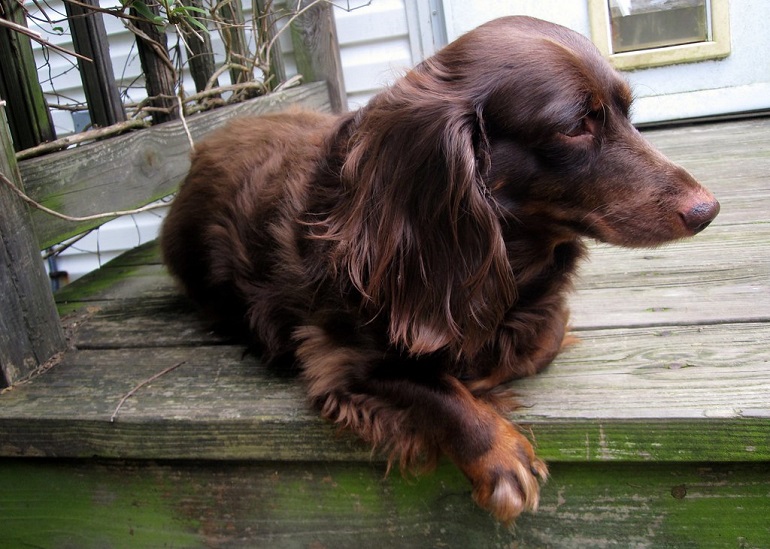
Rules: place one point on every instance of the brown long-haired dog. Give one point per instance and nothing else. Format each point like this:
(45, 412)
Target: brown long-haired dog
(412, 256)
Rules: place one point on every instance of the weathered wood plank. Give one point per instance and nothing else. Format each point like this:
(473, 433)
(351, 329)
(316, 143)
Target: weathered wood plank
(157, 68)
(30, 332)
(699, 258)
(30, 120)
(687, 304)
(688, 282)
(343, 505)
(166, 321)
(689, 394)
(731, 158)
(671, 372)
(89, 38)
(316, 49)
(200, 53)
(133, 169)
(138, 282)
(693, 281)
(88, 386)
(733, 148)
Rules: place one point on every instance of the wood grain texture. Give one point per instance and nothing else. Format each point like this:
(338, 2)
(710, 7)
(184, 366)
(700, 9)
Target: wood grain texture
(614, 397)
(89, 39)
(689, 282)
(720, 275)
(30, 119)
(352, 505)
(133, 169)
(157, 68)
(316, 49)
(30, 332)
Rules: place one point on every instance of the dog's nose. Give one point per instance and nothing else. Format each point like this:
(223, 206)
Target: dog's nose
(698, 217)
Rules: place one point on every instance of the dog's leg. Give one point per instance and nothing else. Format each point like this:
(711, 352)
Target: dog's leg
(515, 362)
(414, 412)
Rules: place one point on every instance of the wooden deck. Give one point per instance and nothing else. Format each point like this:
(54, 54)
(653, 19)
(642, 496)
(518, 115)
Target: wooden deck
(656, 426)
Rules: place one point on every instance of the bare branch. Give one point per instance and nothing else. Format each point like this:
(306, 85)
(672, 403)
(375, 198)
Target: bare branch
(80, 138)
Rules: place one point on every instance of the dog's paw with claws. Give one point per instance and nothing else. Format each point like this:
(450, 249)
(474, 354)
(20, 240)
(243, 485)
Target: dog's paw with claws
(506, 479)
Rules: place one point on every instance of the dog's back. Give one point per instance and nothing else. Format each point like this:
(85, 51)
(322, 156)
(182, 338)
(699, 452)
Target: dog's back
(243, 180)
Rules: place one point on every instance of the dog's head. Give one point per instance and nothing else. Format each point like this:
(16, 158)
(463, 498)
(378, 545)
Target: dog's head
(519, 125)
(561, 147)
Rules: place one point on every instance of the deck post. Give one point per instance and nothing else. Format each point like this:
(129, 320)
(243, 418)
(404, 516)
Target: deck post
(266, 29)
(316, 48)
(30, 119)
(230, 15)
(89, 39)
(159, 73)
(200, 52)
(30, 331)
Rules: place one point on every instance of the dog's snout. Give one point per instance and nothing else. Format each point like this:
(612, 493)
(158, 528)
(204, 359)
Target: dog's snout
(700, 216)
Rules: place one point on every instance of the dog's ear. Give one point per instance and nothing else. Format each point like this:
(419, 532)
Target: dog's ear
(419, 235)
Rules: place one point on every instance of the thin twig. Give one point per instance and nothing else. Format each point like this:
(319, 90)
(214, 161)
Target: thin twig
(54, 213)
(115, 12)
(142, 384)
(156, 46)
(221, 70)
(221, 89)
(184, 123)
(59, 248)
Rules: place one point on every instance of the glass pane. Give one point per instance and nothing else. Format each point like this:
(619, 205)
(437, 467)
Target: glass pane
(645, 24)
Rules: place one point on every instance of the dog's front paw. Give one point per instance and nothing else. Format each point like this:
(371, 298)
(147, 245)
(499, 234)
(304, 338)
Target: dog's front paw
(506, 479)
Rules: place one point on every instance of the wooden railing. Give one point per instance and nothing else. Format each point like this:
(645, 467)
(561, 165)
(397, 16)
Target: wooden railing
(310, 23)
(116, 174)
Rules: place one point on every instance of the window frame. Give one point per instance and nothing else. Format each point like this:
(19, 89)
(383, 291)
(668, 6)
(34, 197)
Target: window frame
(716, 48)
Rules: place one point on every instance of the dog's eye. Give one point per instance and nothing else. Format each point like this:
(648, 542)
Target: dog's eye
(587, 125)
(579, 128)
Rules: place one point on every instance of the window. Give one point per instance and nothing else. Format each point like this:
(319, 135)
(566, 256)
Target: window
(646, 33)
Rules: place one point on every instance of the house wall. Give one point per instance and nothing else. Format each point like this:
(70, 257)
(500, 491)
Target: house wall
(738, 83)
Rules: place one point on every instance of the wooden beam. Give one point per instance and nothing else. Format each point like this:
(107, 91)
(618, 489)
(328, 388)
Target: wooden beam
(29, 117)
(199, 51)
(316, 49)
(230, 16)
(159, 74)
(266, 30)
(133, 169)
(89, 39)
(30, 332)
(310, 504)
